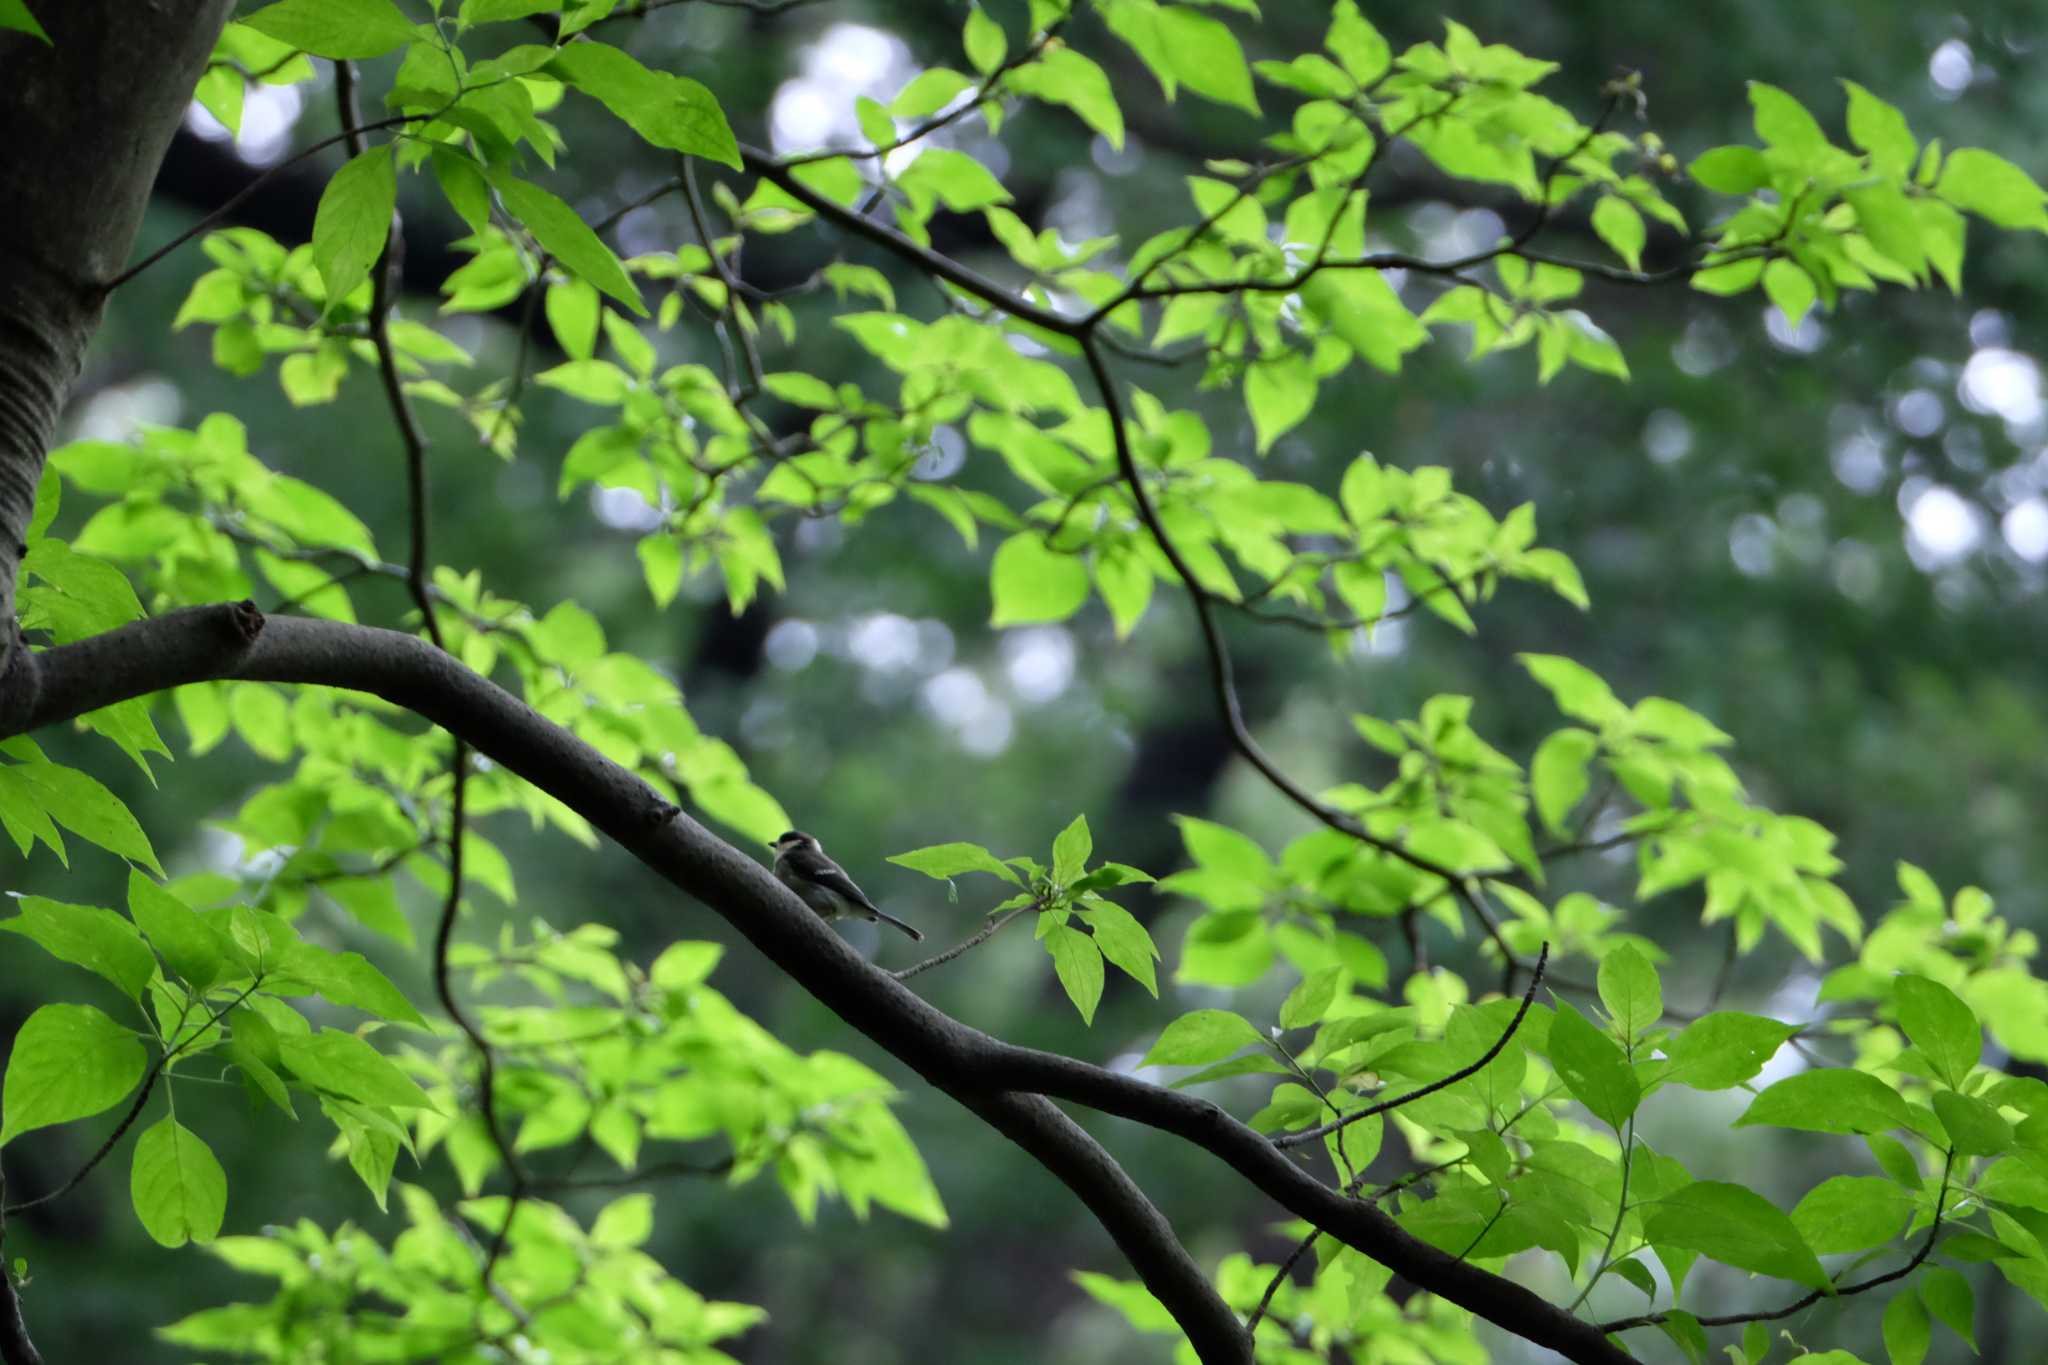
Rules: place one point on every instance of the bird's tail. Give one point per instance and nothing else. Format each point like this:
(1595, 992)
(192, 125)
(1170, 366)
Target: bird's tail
(889, 919)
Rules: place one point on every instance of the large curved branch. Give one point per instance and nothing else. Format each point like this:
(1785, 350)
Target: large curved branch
(1140, 1231)
(236, 641)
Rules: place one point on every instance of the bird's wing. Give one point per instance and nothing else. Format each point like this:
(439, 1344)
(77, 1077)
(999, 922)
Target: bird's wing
(818, 868)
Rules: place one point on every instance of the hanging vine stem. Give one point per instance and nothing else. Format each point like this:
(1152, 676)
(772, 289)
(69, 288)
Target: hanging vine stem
(418, 581)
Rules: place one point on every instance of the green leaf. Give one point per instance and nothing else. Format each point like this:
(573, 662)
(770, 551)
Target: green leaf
(1309, 1001)
(943, 862)
(1852, 1213)
(1940, 1025)
(1123, 942)
(1949, 1297)
(345, 979)
(954, 179)
(345, 30)
(80, 804)
(1731, 170)
(1137, 1303)
(1621, 227)
(1974, 1127)
(1907, 1333)
(1630, 990)
(347, 1066)
(14, 14)
(1783, 122)
(1201, 1037)
(1736, 1226)
(1592, 1067)
(1725, 1048)
(1991, 187)
(669, 111)
(1880, 130)
(1357, 45)
(1078, 963)
(1791, 288)
(1070, 850)
(1686, 1333)
(1578, 690)
(1031, 583)
(179, 1188)
(1223, 849)
(572, 312)
(928, 92)
(983, 40)
(68, 1062)
(1061, 75)
(1205, 56)
(661, 564)
(1557, 775)
(189, 945)
(89, 937)
(353, 221)
(1278, 391)
(567, 238)
(1363, 309)
(1832, 1100)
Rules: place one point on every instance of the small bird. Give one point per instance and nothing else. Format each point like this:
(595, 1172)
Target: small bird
(802, 865)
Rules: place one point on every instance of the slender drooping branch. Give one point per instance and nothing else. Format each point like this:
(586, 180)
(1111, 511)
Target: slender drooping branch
(236, 642)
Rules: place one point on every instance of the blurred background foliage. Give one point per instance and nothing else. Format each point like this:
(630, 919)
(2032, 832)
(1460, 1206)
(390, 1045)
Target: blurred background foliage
(1830, 539)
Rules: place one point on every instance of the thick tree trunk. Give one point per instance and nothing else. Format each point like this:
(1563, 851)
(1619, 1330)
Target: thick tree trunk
(84, 121)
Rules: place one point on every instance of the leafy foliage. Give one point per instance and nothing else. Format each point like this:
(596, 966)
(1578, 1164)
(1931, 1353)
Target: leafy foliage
(1520, 1118)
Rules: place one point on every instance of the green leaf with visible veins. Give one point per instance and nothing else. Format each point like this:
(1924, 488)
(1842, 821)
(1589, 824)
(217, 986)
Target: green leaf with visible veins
(1203, 1036)
(1593, 1067)
(943, 862)
(567, 238)
(1032, 584)
(345, 30)
(669, 111)
(1078, 963)
(346, 1065)
(179, 1188)
(1940, 1025)
(89, 937)
(1736, 1226)
(1834, 1100)
(353, 221)
(68, 1062)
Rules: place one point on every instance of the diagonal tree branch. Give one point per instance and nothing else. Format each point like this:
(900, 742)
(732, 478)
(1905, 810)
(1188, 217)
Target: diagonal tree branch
(235, 641)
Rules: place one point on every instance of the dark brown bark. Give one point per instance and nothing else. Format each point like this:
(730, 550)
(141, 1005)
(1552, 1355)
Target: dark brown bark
(84, 121)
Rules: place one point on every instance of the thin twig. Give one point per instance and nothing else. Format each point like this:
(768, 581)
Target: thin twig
(227, 205)
(1628, 1144)
(988, 931)
(173, 1049)
(1838, 1291)
(1311, 1134)
(1307, 1244)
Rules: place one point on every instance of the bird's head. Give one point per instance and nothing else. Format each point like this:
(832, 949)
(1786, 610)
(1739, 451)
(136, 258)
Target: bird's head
(793, 839)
